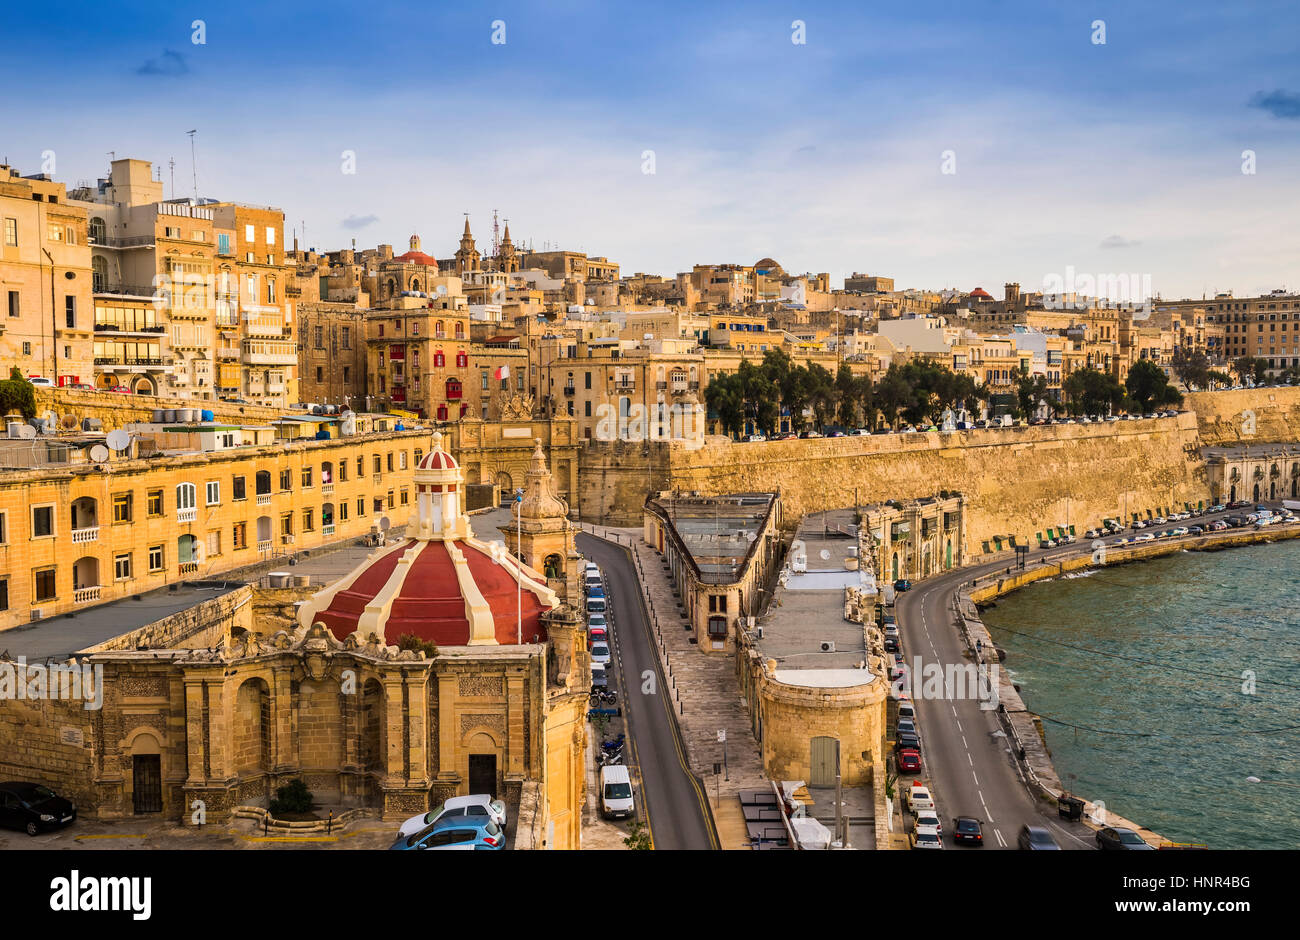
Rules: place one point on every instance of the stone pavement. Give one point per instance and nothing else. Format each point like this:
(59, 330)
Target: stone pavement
(155, 833)
(706, 692)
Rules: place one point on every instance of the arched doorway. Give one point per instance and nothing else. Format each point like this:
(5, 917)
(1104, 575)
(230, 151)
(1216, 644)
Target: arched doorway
(1256, 492)
(85, 579)
(553, 566)
(823, 761)
(895, 567)
(143, 385)
(263, 533)
(374, 728)
(146, 773)
(947, 556)
(506, 487)
(187, 552)
(1232, 494)
(252, 726)
(482, 755)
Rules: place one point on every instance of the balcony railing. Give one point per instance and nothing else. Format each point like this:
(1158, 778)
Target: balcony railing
(569, 390)
(186, 515)
(133, 290)
(263, 545)
(327, 489)
(228, 353)
(263, 499)
(88, 534)
(327, 530)
(121, 241)
(189, 567)
(86, 595)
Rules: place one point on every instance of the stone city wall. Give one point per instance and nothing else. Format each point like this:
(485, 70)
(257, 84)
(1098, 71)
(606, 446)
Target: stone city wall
(200, 626)
(1017, 481)
(115, 410)
(1250, 416)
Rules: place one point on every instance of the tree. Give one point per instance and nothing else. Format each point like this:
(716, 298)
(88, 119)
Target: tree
(1251, 368)
(1092, 392)
(638, 836)
(723, 396)
(1192, 367)
(17, 394)
(1148, 385)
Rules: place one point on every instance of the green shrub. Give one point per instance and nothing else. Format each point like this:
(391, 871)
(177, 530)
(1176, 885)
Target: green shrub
(293, 797)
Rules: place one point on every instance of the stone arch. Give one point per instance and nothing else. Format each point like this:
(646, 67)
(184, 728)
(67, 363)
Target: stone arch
(251, 747)
(373, 728)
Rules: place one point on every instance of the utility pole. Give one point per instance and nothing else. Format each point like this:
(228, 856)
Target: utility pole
(194, 166)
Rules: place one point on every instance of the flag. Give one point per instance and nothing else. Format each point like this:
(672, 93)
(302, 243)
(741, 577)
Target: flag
(503, 372)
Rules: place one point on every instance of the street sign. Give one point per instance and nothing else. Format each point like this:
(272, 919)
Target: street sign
(722, 737)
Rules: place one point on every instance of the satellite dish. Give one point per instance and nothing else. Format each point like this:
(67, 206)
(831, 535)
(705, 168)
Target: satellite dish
(98, 453)
(824, 554)
(51, 419)
(384, 523)
(441, 289)
(26, 432)
(68, 422)
(118, 440)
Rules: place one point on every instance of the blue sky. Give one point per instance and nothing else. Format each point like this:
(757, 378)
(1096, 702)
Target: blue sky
(1122, 157)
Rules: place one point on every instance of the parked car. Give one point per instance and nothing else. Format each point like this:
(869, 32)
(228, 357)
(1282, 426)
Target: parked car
(40, 381)
(918, 797)
(927, 819)
(34, 807)
(480, 804)
(458, 833)
(754, 439)
(902, 584)
(1119, 839)
(924, 840)
(909, 761)
(600, 653)
(907, 741)
(891, 644)
(595, 620)
(1036, 839)
(906, 726)
(597, 635)
(1196, 530)
(967, 830)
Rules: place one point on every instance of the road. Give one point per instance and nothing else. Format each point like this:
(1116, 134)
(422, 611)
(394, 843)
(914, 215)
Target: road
(964, 750)
(671, 798)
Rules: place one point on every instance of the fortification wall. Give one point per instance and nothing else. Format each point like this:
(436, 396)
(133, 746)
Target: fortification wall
(1018, 481)
(115, 410)
(1250, 416)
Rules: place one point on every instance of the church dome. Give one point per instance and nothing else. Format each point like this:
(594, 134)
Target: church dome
(440, 583)
(416, 256)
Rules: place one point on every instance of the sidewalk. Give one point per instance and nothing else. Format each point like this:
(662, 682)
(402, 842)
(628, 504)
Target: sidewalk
(706, 694)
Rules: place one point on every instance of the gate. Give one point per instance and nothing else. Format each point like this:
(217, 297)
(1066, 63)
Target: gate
(146, 784)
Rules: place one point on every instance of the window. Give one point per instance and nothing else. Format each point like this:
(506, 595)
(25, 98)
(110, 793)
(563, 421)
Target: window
(318, 337)
(42, 521)
(270, 235)
(343, 471)
(286, 524)
(361, 506)
(270, 287)
(185, 496)
(308, 520)
(239, 535)
(54, 231)
(122, 507)
(379, 464)
(250, 233)
(419, 455)
(11, 232)
(238, 489)
(483, 377)
(401, 460)
(346, 340)
(286, 481)
(154, 503)
(122, 567)
(223, 243)
(4, 519)
(320, 374)
(44, 589)
(155, 559)
(214, 493)
(306, 477)
(70, 312)
(361, 466)
(390, 461)
(13, 304)
(390, 499)
(4, 593)
(214, 542)
(403, 499)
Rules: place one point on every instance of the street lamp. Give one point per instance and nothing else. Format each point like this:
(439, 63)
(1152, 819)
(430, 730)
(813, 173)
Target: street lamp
(519, 575)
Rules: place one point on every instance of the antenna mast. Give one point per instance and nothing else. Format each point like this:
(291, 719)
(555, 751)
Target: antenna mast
(194, 166)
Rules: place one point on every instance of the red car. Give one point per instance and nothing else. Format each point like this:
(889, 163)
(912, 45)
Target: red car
(909, 761)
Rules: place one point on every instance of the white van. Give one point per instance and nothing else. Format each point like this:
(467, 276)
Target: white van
(595, 605)
(616, 792)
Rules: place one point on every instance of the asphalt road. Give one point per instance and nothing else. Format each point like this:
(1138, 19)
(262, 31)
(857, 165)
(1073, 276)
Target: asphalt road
(670, 797)
(965, 754)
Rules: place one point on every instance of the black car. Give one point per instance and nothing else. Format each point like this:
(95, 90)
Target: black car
(891, 644)
(967, 829)
(1036, 838)
(907, 739)
(34, 808)
(1118, 839)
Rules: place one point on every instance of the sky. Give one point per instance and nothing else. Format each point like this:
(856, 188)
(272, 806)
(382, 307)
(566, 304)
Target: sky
(944, 144)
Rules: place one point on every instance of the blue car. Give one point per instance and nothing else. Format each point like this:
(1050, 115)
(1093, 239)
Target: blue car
(465, 833)
(595, 590)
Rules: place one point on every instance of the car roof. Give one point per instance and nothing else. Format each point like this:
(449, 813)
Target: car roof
(475, 799)
(464, 822)
(615, 773)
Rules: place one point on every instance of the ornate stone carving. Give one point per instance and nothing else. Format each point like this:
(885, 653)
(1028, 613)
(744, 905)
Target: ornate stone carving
(495, 723)
(481, 685)
(515, 407)
(144, 687)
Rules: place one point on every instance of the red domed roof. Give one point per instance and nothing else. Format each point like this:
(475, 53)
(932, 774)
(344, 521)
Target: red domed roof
(430, 603)
(981, 292)
(437, 459)
(417, 257)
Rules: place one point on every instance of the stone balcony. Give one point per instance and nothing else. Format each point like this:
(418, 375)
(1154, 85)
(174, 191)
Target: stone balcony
(88, 534)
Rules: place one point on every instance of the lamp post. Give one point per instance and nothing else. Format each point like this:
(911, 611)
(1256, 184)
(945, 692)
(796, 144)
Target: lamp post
(519, 575)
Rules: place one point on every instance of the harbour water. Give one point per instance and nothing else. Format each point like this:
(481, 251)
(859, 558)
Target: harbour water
(1164, 685)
